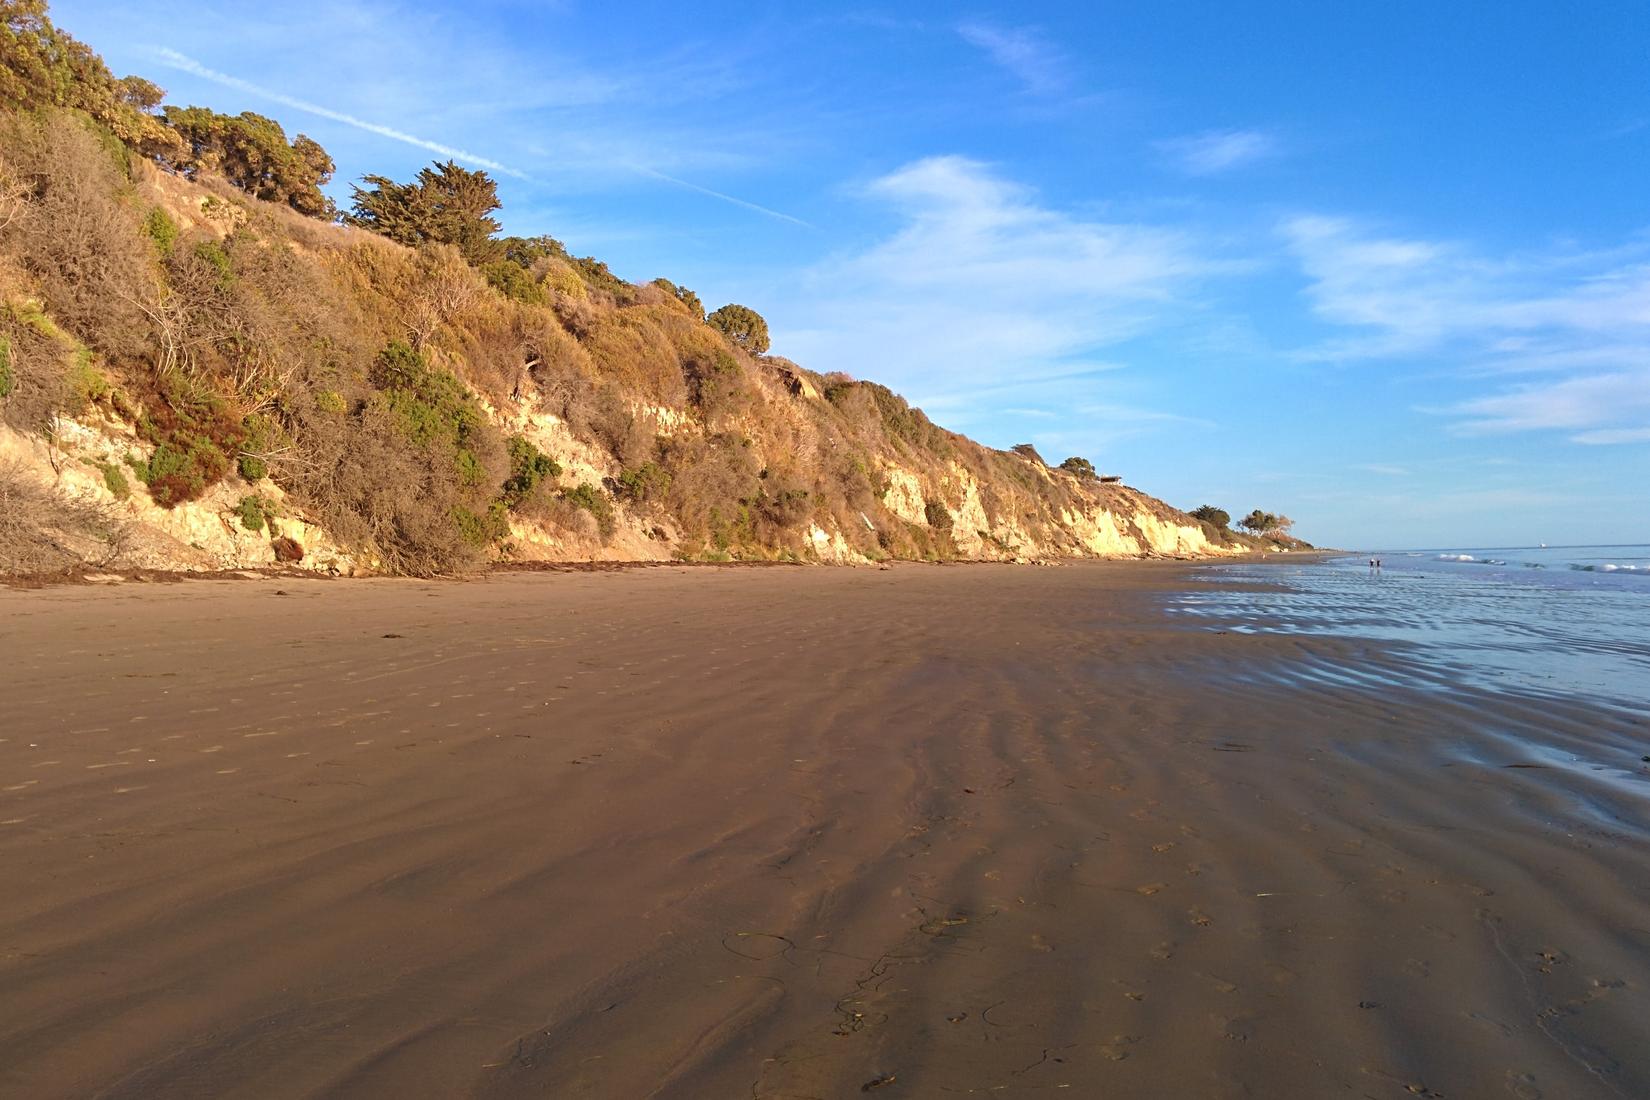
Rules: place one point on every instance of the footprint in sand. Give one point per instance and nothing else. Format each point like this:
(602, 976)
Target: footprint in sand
(1199, 917)
(1164, 847)
(1522, 1085)
(1163, 952)
(1151, 888)
(1118, 1048)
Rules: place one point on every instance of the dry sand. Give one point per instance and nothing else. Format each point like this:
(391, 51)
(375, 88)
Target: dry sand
(782, 833)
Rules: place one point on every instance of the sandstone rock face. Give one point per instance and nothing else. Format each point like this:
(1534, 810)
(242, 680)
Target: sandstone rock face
(209, 533)
(204, 534)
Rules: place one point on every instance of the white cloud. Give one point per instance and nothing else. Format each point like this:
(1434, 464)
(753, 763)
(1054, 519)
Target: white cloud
(1600, 408)
(1582, 319)
(1218, 151)
(1023, 52)
(1418, 295)
(1614, 435)
(982, 286)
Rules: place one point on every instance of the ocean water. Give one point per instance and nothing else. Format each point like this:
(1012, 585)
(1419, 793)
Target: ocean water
(1565, 623)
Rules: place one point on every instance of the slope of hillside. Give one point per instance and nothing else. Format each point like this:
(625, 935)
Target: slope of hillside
(192, 377)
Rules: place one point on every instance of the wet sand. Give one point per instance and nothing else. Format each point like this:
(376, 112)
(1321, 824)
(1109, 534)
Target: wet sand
(787, 833)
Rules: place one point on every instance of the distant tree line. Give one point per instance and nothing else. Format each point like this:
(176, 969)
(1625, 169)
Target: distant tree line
(1256, 522)
(42, 66)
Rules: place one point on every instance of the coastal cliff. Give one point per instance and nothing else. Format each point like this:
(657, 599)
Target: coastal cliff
(202, 370)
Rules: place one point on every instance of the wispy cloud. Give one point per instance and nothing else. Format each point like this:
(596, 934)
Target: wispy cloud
(1024, 52)
(1111, 412)
(183, 63)
(1597, 409)
(1219, 151)
(983, 288)
(1383, 469)
(1614, 435)
(1581, 318)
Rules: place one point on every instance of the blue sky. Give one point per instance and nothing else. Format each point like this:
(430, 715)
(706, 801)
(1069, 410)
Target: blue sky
(1383, 267)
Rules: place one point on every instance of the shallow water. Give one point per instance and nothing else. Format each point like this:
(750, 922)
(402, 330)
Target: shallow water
(1570, 623)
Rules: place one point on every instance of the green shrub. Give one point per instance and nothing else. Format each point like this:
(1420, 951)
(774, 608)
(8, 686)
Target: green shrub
(194, 433)
(684, 295)
(183, 468)
(114, 479)
(430, 405)
(937, 515)
(431, 408)
(727, 532)
(162, 231)
(86, 383)
(331, 401)
(254, 512)
(529, 468)
(594, 501)
(785, 508)
(262, 436)
(837, 387)
(484, 529)
(597, 276)
(649, 481)
(515, 282)
(7, 381)
(212, 254)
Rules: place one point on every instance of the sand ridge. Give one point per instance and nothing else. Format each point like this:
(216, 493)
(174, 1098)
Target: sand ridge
(779, 834)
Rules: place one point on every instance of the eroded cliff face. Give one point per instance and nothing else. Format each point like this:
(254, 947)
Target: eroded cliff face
(285, 391)
(84, 469)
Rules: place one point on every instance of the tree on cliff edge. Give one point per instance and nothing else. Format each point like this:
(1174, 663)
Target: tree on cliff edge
(446, 204)
(743, 325)
(1208, 513)
(1265, 523)
(251, 152)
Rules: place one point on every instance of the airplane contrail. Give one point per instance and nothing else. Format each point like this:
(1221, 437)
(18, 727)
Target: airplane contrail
(653, 173)
(184, 63)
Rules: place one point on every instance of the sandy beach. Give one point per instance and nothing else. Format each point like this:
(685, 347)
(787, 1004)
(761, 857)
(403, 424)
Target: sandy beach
(786, 833)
